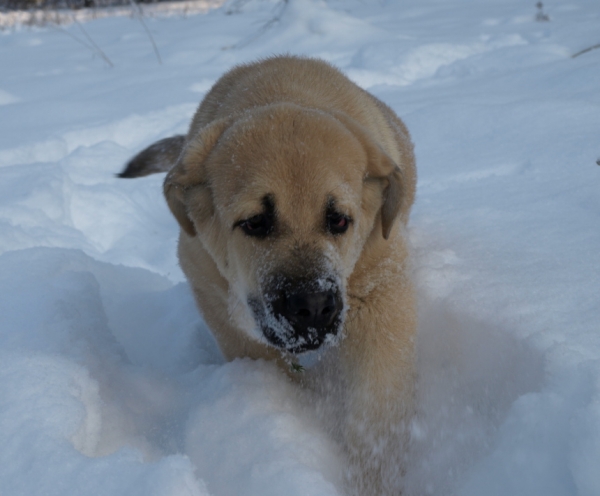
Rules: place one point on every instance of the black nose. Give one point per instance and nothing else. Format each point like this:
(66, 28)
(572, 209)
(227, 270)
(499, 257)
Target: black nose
(316, 310)
(313, 315)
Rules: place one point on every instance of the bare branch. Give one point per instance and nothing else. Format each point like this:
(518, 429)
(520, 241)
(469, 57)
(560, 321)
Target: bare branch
(282, 4)
(95, 49)
(93, 43)
(589, 49)
(140, 17)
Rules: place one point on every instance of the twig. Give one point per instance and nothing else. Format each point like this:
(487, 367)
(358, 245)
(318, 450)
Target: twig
(63, 30)
(90, 39)
(236, 7)
(589, 49)
(140, 17)
(541, 16)
(263, 29)
(93, 48)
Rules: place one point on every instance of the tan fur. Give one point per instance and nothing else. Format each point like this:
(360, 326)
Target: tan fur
(297, 129)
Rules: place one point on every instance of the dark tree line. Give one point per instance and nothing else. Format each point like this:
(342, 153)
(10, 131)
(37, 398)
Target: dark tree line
(65, 4)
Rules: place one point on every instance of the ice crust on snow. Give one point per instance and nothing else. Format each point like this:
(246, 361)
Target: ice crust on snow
(110, 383)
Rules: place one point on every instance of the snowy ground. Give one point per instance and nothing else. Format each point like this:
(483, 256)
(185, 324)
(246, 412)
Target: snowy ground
(110, 384)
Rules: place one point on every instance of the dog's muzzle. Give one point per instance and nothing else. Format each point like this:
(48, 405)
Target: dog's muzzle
(301, 317)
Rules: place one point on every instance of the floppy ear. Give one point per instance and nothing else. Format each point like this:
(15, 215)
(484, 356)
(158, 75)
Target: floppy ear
(380, 166)
(392, 196)
(190, 172)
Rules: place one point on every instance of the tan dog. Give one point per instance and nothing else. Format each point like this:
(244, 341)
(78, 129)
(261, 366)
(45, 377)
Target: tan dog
(292, 188)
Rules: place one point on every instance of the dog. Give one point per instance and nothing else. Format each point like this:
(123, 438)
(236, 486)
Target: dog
(293, 187)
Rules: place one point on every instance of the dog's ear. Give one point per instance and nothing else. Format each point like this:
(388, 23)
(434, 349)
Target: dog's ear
(381, 167)
(386, 170)
(188, 178)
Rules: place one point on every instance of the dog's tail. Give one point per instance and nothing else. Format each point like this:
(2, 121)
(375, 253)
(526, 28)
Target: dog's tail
(158, 157)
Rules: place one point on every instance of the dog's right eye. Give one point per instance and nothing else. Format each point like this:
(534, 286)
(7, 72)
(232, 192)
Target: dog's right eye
(337, 223)
(259, 225)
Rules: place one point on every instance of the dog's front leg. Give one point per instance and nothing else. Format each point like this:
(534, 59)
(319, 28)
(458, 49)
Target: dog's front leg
(378, 360)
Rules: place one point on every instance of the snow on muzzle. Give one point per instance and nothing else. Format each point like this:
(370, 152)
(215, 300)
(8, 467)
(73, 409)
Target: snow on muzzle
(299, 314)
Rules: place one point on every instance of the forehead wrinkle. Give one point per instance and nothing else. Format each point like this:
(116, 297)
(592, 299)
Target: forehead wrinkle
(306, 192)
(309, 163)
(344, 192)
(301, 210)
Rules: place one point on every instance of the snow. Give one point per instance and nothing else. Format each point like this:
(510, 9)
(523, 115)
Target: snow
(110, 383)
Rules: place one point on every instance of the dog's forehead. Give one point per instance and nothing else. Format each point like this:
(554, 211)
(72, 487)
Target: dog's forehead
(303, 195)
(300, 157)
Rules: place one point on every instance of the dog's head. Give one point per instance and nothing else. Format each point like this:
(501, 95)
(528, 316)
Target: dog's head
(284, 199)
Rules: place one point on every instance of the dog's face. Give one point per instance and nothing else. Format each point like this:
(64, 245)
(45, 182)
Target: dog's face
(284, 200)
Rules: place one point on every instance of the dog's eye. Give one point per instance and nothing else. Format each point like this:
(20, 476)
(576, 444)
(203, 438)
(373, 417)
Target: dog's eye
(258, 225)
(337, 223)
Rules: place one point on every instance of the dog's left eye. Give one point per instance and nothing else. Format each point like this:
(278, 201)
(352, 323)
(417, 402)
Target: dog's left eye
(337, 223)
(258, 225)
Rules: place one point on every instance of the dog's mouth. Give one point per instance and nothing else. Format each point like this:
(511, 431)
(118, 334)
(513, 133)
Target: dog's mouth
(299, 317)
